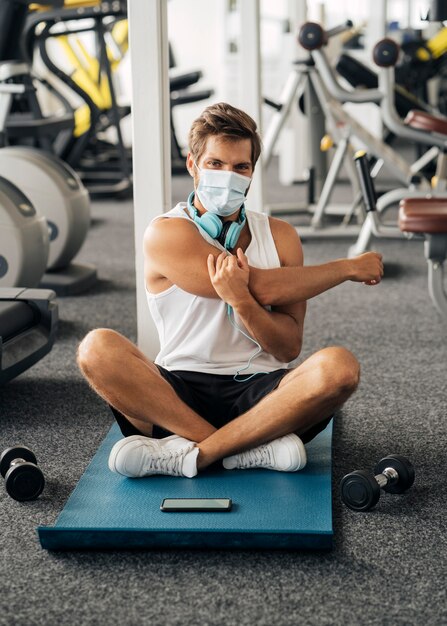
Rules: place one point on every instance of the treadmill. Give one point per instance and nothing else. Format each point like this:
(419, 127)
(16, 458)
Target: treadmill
(28, 325)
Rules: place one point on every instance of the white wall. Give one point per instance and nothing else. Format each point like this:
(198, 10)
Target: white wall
(197, 32)
(204, 35)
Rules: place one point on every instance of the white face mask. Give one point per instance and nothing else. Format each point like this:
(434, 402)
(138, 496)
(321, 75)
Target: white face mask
(221, 192)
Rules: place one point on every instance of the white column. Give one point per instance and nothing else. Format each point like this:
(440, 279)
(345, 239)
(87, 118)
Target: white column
(250, 89)
(148, 37)
(293, 143)
(376, 27)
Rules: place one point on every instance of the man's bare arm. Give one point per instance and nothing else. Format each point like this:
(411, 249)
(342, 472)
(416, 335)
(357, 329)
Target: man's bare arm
(174, 250)
(279, 330)
(278, 333)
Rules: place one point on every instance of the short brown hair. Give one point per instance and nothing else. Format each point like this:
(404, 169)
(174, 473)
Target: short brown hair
(227, 121)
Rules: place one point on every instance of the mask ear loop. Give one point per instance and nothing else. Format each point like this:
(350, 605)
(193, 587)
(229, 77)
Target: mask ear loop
(253, 356)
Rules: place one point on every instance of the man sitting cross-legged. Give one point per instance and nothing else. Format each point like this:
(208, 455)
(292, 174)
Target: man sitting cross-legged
(223, 285)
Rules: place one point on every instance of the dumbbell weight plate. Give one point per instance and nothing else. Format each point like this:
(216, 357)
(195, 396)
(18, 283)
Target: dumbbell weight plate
(360, 491)
(16, 452)
(24, 482)
(403, 467)
(311, 36)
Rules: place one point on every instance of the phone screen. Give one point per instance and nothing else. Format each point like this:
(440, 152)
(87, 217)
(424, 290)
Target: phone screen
(196, 504)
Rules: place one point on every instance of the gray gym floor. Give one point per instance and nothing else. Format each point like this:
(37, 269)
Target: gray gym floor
(387, 566)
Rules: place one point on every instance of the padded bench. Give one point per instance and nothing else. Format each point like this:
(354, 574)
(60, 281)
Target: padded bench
(28, 325)
(428, 216)
(426, 121)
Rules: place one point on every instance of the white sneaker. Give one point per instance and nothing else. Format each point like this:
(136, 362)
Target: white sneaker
(285, 454)
(138, 456)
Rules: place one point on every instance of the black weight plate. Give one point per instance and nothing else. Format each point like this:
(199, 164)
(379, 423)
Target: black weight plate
(24, 482)
(311, 36)
(386, 53)
(16, 452)
(403, 467)
(359, 491)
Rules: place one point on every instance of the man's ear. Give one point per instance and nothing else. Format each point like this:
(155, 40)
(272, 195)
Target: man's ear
(190, 164)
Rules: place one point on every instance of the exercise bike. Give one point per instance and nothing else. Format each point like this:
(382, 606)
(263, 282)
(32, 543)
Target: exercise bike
(53, 188)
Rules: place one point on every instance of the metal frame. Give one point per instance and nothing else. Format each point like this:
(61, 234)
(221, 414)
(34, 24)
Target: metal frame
(435, 247)
(302, 77)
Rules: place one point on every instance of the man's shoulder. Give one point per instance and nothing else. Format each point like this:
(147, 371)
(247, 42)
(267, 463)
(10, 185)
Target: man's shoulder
(287, 241)
(281, 227)
(283, 233)
(170, 229)
(169, 220)
(179, 211)
(273, 222)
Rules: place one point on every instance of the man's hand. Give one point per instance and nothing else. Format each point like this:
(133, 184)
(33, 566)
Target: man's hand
(229, 276)
(367, 268)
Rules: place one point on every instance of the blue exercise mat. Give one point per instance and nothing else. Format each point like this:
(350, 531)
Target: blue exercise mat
(270, 509)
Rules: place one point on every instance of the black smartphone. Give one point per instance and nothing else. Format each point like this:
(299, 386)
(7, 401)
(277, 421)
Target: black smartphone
(196, 504)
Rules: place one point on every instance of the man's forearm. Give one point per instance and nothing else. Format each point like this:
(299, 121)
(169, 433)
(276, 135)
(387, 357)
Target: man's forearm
(288, 285)
(277, 333)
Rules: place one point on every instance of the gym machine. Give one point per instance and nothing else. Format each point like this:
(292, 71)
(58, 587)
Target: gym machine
(95, 87)
(418, 126)
(181, 93)
(105, 168)
(360, 76)
(52, 190)
(22, 116)
(24, 239)
(304, 83)
(347, 131)
(426, 217)
(28, 326)
(52, 187)
(56, 193)
(314, 38)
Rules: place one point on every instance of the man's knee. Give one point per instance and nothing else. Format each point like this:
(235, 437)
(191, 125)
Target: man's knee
(339, 371)
(96, 349)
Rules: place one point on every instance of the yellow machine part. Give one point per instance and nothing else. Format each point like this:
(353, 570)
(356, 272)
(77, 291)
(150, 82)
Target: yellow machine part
(326, 143)
(120, 33)
(91, 64)
(438, 43)
(86, 73)
(437, 46)
(68, 4)
(81, 120)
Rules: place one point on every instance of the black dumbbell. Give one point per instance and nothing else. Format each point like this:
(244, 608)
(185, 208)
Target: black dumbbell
(360, 490)
(23, 479)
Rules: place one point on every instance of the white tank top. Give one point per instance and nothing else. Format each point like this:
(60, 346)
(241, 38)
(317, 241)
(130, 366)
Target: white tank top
(195, 332)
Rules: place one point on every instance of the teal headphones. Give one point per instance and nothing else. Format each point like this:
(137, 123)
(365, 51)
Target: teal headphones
(226, 233)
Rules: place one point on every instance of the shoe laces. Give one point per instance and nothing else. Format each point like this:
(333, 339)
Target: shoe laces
(167, 462)
(261, 456)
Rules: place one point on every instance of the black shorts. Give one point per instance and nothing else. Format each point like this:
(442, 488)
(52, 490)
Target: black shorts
(217, 398)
